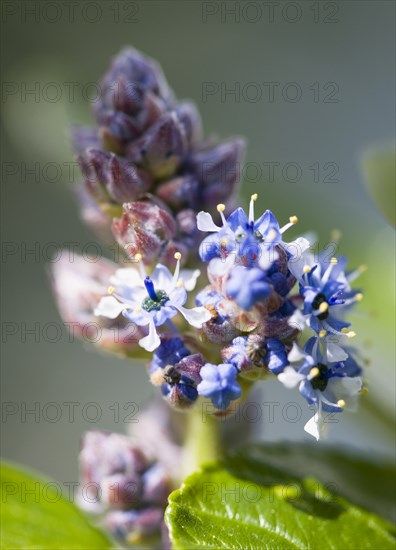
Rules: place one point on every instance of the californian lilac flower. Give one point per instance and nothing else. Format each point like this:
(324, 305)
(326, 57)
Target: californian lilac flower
(171, 351)
(325, 295)
(78, 285)
(219, 384)
(181, 380)
(253, 355)
(252, 241)
(248, 286)
(151, 301)
(220, 328)
(177, 371)
(276, 358)
(327, 378)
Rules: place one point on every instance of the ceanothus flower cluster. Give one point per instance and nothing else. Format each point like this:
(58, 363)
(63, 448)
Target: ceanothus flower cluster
(246, 321)
(248, 306)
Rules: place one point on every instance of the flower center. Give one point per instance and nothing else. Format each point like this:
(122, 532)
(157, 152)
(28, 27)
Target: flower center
(320, 381)
(171, 375)
(318, 300)
(155, 299)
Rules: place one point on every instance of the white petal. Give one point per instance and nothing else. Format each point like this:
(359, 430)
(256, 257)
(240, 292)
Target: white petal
(127, 277)
(205, 222)
(267, 256)
(316, 427)
(189, 277)
(162, 278)
(335, 353)
(296, 354)
(297, 263)
(195, 316)
(290, 378)
(297, 320)
(109, 307)
(152, 340)
(296, 248)
(346, 388)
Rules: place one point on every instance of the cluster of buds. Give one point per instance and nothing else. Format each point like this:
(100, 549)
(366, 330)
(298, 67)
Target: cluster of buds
(124, 485)
(146, 164)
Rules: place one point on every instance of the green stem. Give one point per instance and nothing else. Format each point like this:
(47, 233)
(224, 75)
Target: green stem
(203, 440)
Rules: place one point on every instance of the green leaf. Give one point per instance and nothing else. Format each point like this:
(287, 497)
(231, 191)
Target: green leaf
(269, 498)
(42, 519)
(380, 170)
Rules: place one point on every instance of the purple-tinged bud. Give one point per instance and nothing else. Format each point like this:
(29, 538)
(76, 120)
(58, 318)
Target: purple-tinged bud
(190, 118)
(118, 129)
(126, 183)
(156, 485)
(104, 454)
(133, 526)
(94, 166)
(162, 148)
(137, 69)
(109, 178)
(278, 327)
(154, 108)
(180, 192)
(126, 96)
(219, 170)
(121, 492)
(144, 229)
(219, 329)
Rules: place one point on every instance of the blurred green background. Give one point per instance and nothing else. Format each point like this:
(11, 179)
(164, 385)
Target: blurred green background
(196, 43)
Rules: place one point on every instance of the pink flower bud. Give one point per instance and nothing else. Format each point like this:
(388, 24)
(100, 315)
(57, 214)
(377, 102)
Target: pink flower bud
(145, 228)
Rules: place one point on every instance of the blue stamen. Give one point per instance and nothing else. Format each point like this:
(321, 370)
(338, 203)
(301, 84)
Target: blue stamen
(148, 283)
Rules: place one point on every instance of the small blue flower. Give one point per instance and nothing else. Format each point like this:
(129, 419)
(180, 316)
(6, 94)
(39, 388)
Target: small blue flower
(251, 241)
(276, 356)
(327, 377)
(151, 301)
(236, 354)
(171, 351)
(321, 293)
(248, 286)
(220, 384)
(177, 371)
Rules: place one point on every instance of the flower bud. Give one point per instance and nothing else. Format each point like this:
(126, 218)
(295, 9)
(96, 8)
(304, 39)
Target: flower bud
(118, 129)
(156, 485)
(104, 454)
(144, 229)
(94, 166)
(176, 370)
(181, 380)
(219, 170)
(180, 192)
(120, 491)
(78, 285)
(190, 119)
(161, 149)
(125, 182)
